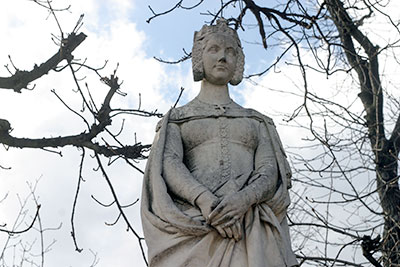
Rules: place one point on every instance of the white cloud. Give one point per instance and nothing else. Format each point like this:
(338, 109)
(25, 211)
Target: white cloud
(112, 36)
(39, 113)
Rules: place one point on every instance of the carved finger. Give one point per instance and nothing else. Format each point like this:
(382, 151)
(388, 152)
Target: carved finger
(237, 233)
(215, 213)
(224, 219)
(227, 219)
(228, 231)
(214, 216)
(231, 222)
(221, 231)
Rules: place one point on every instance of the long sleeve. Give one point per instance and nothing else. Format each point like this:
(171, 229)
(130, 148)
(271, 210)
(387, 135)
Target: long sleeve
(178, 178)
(262, 184)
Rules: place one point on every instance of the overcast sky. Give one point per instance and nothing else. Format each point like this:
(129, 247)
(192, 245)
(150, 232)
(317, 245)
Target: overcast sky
(117, 31)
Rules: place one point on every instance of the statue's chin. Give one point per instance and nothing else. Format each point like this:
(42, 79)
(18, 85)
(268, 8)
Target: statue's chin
(217, 81)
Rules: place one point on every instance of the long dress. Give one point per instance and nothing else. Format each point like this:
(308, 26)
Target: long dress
(223, 149)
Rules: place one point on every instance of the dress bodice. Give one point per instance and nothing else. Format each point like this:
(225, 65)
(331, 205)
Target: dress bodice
(217, 150)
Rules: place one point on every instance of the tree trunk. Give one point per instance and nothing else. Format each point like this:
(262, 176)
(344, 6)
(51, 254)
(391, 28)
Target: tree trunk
(389, 194)
(385, 150)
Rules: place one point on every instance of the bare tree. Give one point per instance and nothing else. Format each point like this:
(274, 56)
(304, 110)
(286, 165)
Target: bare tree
(97, 139)
(355, 168)
(16, 249)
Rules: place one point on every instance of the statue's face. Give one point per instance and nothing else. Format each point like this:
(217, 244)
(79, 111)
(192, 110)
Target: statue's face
(219, 59)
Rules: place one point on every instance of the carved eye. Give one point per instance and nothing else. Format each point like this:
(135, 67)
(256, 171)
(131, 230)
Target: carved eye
(213, 49)
(231, 51)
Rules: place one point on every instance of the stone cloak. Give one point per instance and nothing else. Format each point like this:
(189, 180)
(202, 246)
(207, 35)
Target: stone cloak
(175, 239)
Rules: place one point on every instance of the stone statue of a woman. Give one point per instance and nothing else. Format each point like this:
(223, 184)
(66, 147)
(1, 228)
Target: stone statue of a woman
(215, 190)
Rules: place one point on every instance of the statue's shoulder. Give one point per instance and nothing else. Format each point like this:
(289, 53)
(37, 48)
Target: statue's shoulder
(182, 113)
(176, 114)
(254, 113)
(179, 113)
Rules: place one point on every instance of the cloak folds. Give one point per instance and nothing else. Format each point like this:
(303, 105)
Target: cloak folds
(175, 239)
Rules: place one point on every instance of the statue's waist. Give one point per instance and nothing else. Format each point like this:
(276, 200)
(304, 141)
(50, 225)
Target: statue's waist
(217, 142)
(217, 156)
(214, 165)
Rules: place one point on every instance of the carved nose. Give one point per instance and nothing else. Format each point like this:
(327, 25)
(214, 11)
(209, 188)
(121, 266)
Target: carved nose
(222, 57)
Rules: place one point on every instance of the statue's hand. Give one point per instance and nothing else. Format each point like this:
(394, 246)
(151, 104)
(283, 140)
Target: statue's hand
(206, 202)
(234, 231)
(230, 211)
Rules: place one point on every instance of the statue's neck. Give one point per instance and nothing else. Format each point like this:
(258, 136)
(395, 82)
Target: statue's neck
(214, 94)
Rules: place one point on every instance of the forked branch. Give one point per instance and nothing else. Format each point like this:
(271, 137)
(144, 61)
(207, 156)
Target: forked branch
(21, 78)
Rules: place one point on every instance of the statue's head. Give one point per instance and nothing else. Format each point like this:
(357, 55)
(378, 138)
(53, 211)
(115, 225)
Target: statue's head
(221, 33)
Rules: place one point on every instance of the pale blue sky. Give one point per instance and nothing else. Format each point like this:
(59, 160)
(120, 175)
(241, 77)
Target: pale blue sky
(117, 30)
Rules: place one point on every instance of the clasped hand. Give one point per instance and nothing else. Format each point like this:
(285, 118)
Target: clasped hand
(225, 215)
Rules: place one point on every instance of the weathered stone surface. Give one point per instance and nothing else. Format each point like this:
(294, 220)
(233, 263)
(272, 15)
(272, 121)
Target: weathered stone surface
(216, 185)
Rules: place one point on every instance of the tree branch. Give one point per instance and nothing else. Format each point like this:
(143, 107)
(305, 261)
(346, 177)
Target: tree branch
(10, 232)
(120, 207)
(21, 79)
(325, 259)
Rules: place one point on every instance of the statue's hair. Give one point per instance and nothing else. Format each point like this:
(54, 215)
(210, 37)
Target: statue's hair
(200, 41)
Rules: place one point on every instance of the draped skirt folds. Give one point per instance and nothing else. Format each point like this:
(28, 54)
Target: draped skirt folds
(262, 245)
